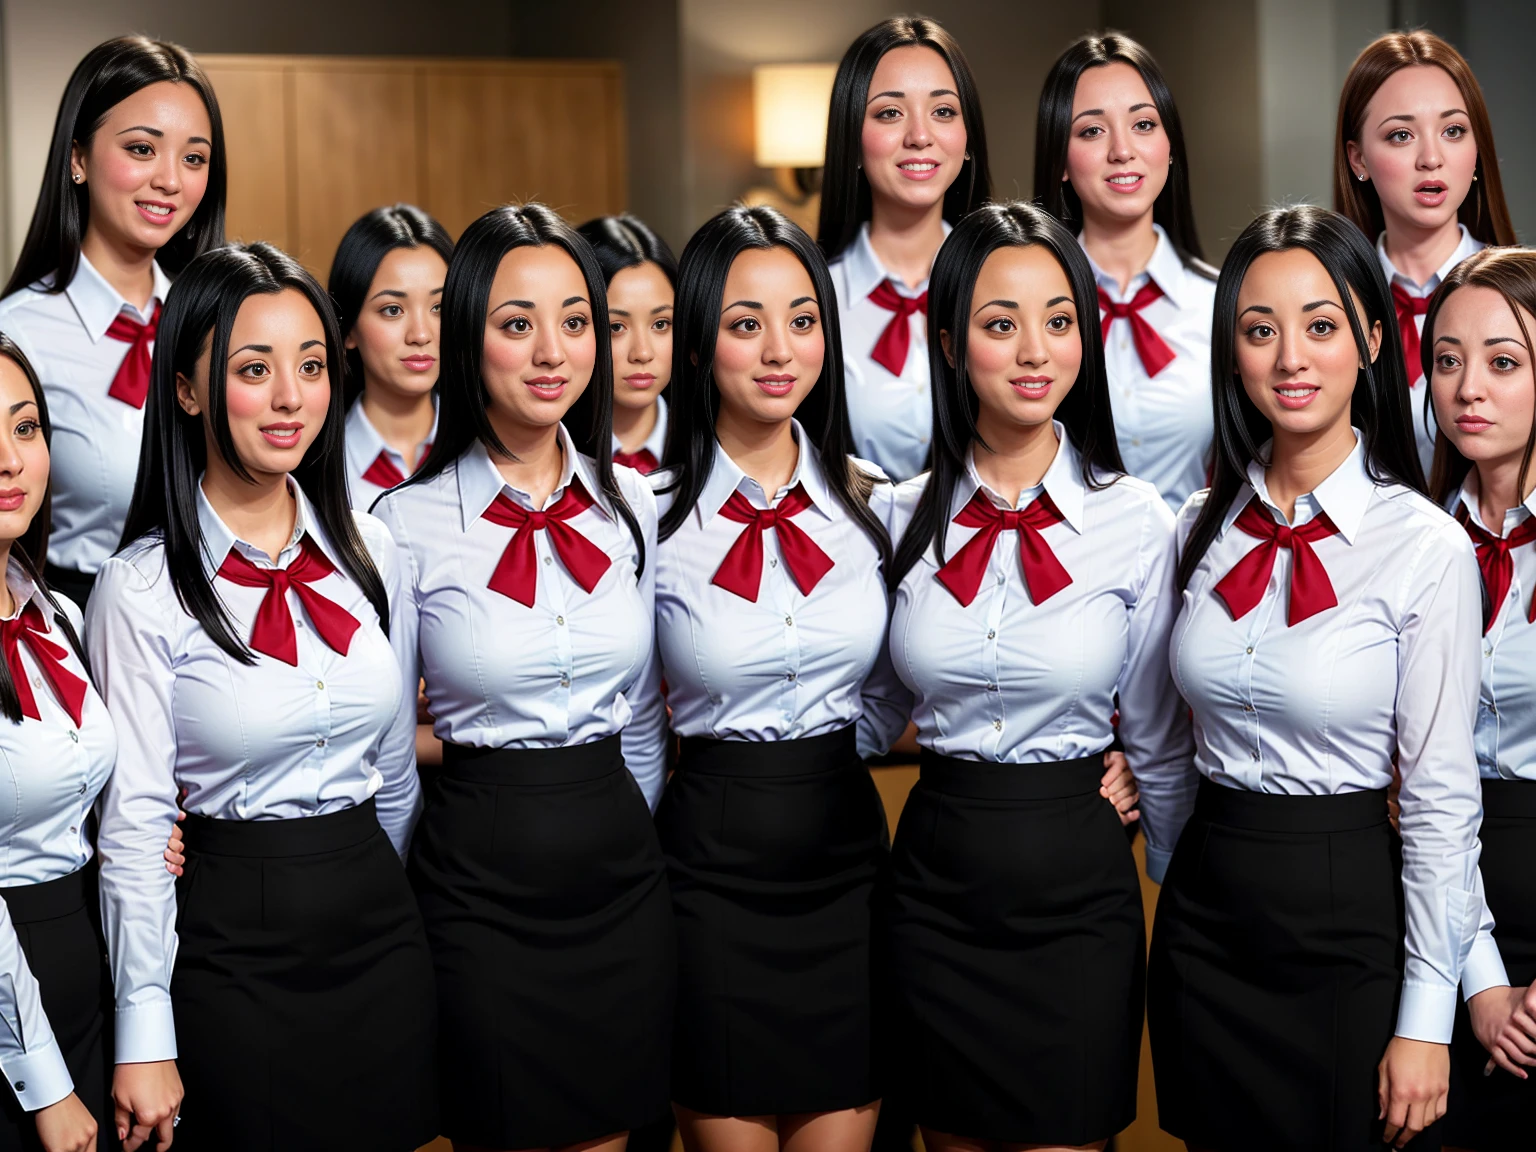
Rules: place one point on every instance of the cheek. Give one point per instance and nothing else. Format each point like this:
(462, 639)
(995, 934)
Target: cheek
(879, 141)
(37, 463)
(1067, 352)
(375, 337)
(1389, 166)
(988, 358)
(503, 356)
(1338, 361)
(245, 402)
(1082, 163)
(1254, 365)
(1515, 402)
(582, 352)
(661, 347)
(734, 359)
(811, 351)
(117, 172)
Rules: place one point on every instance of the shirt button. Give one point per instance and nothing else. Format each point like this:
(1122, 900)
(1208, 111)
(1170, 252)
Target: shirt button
(1255, 753)
(320, 743)
(560, 620)
(789, 621)
(565, 680)
(82, 790)
(997, 725)
(991, 687)
(773, 563)
(21, 1085)
(74, 830)
(1494, 709)
(549, 559)
(1487, 651)
(37, 682)
(991, 633)
(1250, 651)
(1247, 707)
(1136, 441)
(75, 736)
(789, 675)
(320, 684)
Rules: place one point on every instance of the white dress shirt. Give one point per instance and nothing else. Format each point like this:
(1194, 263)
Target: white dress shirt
(1418, 395)
(1163, 423)
(891, 416)
(364, 445)
(52, 771)
(95, 446)
(266, 741)
(657, 440)
(575, 667)
(1006, 680)
(1321, 706)
(790, 665)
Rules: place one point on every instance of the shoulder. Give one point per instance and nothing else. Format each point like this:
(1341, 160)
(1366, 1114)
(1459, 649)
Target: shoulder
(1417, 518)
(24, 300)
(377, 538)
(1202, 273)
(901, 504)
(137, 573)
(1132, 496)
(1184, 521)
(637, 493)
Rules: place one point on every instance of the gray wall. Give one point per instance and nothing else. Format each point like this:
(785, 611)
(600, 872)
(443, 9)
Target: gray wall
(1497, 38)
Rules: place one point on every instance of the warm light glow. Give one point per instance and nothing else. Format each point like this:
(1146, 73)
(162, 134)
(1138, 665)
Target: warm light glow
(790, 103)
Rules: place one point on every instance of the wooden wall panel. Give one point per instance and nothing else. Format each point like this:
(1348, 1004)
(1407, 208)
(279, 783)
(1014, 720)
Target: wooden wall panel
(252, 103)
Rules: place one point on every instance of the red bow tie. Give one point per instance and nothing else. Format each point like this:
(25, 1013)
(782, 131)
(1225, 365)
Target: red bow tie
(517, 572)
(1154, 352)
(1311, 590)
(1043, 574)
(741, 571)
(1497, 565)
(30, 627)
(1408, 307)
(385, 473)
(643, 461)
(272, 634)
(891, 349)
(131, 384)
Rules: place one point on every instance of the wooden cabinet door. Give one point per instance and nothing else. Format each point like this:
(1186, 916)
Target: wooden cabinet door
(253, 103)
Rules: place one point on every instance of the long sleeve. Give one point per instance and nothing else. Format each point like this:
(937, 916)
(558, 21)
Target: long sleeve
(132, 661)
(1438, 673)
(398, 800)
(644, 738)
(1154, 720)
(29, 1055)
(887, 702)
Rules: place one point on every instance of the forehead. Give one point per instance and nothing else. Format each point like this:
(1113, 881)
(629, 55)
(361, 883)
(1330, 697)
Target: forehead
(272, 317)
(411, 267)
(1111, 86)
(15, 388)
(645, 279)
(765, 274)
(1424, 88)
(1275, 277)
(534, 270)
(1476, 308)
(172, 107)
(1023, 273)
(914, 69)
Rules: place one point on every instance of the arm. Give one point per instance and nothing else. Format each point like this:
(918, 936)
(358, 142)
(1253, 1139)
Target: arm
(644, 738)
(887, 702)
(29, 1055)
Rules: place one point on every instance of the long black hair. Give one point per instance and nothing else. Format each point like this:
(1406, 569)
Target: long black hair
(463, 415)
(1379, 406)
(199, 312)
(30, 549)
(372, 237)
(845, 197)
(1053, 132)
(626, 241)
(1084, 411)
(109, 74)
(691, 443)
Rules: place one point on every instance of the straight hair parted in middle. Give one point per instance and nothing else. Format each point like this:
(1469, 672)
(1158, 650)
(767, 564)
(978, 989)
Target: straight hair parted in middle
(1085, 410)
(1379, 406)
(200, 311)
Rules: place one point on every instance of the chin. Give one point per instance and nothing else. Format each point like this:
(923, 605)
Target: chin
(413, 384)
(626, 397)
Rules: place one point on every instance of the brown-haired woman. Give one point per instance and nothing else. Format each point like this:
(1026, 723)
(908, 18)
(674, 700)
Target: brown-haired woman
(1478, 357)
(1415, 168)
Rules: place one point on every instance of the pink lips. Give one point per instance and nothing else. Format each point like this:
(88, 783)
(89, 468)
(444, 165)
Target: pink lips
(910, 174)
(152, 217)
(284, 435)
(640, 381)
(1032, 387)
(419, 363)
(11, 499)
(1431, 193)
(1295, 402)
(778, 384)
(1473, 424)
(547, 387)
(1125, 189)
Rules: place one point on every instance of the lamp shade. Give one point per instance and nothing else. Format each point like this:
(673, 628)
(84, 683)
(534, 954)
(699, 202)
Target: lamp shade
(790, 103)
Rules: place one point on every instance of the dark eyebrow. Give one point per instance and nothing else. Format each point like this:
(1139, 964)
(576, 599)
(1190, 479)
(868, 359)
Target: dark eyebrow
(617, 311)
(1051, 303)
(1268, 311)
(311, 344)
(799, 300)
(878, 95)
(514, 304)
(944, 92)
(1447, 340)
(1087, 112)
(264, 349)
(1316, 304)
(661, 308)
(1486, 344)
(146, 129)
(20, 404)
(744, 304)
(569, 300)
(198, 140)
(395, 292)
(1014, 304)
(1143, 104)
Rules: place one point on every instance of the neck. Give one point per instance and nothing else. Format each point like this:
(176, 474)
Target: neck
(1121, 248)
(766, 452)
(1417, 252)
(128, 268)
(633, 426)
(260, 511)
(1299, 463)
(1017, 456)
(535, 460)
(1498, 489)
(7, 597)
(402, 421)
(906, 239)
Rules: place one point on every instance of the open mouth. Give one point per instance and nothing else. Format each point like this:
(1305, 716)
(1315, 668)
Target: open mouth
(1032, 387)
(155, 211)
(1126, 181)
(919, 169)
(776, 385)
(1430, 192)
(547, 387)
(1296, 395)
(282, 435)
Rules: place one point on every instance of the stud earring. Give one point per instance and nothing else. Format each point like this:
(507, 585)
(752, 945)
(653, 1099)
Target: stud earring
(1360, 176)
(78, 178)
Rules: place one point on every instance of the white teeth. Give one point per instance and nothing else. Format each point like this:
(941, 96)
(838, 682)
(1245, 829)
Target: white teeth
(1124, 179)
(1295, 393)
(155, 209)
(918, 166)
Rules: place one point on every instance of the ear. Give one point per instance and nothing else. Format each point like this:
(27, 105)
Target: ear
(186, 397)
(76, 162)
(948, 346)
(1356, 159)
(693, 358)
(1373, 341)
(350, 343)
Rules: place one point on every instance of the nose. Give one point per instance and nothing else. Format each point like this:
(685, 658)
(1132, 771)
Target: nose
(1290, 352)
(287, 396)
(641, 348)
(10, 456)
(423, 329)
(1032, 350)
(1121, 148)
(547, 349)
(776, 348)
(918, 134)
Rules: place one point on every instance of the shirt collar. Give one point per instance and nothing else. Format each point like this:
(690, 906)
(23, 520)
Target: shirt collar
(1165, 269)
(480, 481)
(26, 591)
(1063, 483)
(866, 273)
(1344, 495)
(97, 303)
(657, 440)
(364, 443)
(219, 540)
(1471, 490)
(1465, 248)
(726, 478)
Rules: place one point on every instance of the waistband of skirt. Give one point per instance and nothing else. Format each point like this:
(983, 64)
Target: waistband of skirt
(806, 756)
(52, 899)
(1268, 812)
(534, 767)
(986, 780)
(303, 836)
(1509, 799)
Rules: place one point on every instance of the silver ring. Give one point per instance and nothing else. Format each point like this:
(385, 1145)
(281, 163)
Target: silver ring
(175, 1120)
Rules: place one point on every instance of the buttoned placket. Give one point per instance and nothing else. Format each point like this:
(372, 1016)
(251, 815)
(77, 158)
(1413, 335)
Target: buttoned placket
(553, 597)
(779, 594)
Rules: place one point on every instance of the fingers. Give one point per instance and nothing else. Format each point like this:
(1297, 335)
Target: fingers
(1503, 1059)
(1381, 1092)
(122, 1118)
(137, 1135)
(166, 1130)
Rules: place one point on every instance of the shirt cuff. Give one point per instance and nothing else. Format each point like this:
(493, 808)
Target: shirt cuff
(1484, 968)
(1157, 864)
(146, 1034)
(40, 1077)
(1427, 1012)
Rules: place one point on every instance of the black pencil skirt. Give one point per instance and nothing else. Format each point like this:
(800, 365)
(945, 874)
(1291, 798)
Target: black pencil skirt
(1496, 1112)
(774, 851)
(59, 929)
(1018, 952)
(1275, 971)
(302, 989)
(545, 899)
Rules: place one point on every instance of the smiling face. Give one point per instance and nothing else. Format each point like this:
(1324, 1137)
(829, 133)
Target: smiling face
(769, 349)
(1295, 353)
(396, 332)
(913, 140)
(539, 348)
(1416, 147)
(640, 319)
(23, 453)
(1484, 387)
(277, 388)
(1117, 154)
(146, 165)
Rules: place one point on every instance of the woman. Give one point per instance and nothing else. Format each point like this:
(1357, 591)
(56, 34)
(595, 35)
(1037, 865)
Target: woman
(1415, 167)
(641, 274)
(1110, 164)
(57, 748)
(1478, 347)
(242, 639)
(530, 572)
(132, 191)
(387, 283)
(1327, 632)
(987, 941)
(906, 159)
